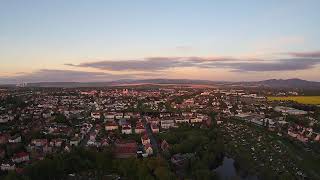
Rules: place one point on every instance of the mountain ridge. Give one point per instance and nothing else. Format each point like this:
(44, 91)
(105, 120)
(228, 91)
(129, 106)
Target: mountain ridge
(271, 83)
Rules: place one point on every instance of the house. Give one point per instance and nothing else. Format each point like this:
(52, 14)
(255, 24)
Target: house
(302, 138)
(181, 160)
(39, 142)
(3, 138)
(67, 148)
(167, 123)
(126, 116)
(145, 139)
(125, 149)
(207, 122)
(92, 136)
(118, 115)
(162, 115)
(196, 120)
(104, 142)
(148, 149)
(111, 125)
(15, 139)
(56, 142)
(4, 119)
(292, 134)
(164, 145)
(75, 141)
(186, 114)
(47, 149)
(20, 157)
(93, 143)
(8, 167)
(289, 110)
(126, 129)
(153, 121)
(95, 115)
(2, 153)
(155, 128)
(109, 116)
(259, 122)
(139, 128)
(182, 120)
(136, 115)
(122, 122)
(46, 115)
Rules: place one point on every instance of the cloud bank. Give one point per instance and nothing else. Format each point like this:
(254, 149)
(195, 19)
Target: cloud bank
(148, 64)
(162, 67)
(314, 54)
(167, 63)
(49, 75)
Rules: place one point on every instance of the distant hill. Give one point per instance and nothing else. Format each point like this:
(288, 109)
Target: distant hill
(287, 83)
(165, 81)
(270, 83)
(118, 83)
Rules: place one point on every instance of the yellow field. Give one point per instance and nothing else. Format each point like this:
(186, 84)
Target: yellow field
(300, 99)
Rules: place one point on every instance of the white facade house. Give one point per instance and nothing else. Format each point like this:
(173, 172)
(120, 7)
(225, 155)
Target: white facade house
(196, 120)
(155, 128)
(148, 149)
(126, 129)
(16, 139)
(182, 120)
(110, 126)
(95, 115)
(145, 139)
(167, 123)
(8, 167)
(20, 157)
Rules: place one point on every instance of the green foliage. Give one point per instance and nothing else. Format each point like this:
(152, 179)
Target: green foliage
(267, 174)
(60, 118)
(203, 142)
(286, 176)
(12, 175)
(298, 120)
(162, 173)
(100, 163)
(14, 102)
(204, 174)
(316, 127)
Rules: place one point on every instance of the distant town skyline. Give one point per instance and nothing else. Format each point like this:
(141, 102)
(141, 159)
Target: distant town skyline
(90, 41)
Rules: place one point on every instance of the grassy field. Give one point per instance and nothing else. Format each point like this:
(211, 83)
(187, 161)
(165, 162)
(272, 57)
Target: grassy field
(300, 99)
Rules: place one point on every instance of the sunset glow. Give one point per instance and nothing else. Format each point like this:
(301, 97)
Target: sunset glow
(112, 40)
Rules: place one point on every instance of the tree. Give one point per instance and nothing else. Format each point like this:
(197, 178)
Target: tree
(286, 176)
(60, 118)
(163, 173)
(204, 174)
(267, 174)
(12, 175)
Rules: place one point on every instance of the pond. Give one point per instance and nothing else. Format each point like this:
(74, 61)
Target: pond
(227, 171)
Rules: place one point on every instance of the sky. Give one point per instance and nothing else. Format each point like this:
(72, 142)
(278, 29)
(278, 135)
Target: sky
(105, 40)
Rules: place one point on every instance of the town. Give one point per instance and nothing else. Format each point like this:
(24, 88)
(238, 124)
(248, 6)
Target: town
(184, 132)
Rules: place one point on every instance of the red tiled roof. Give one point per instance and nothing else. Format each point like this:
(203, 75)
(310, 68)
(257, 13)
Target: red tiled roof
(125, 150)
(126, 128)
(123, 143)
(164, 145)
(125, 147)
(21, 154)
(111, 124)
(147, 145)
(154, 126)
(139, 127)
(145, 137)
